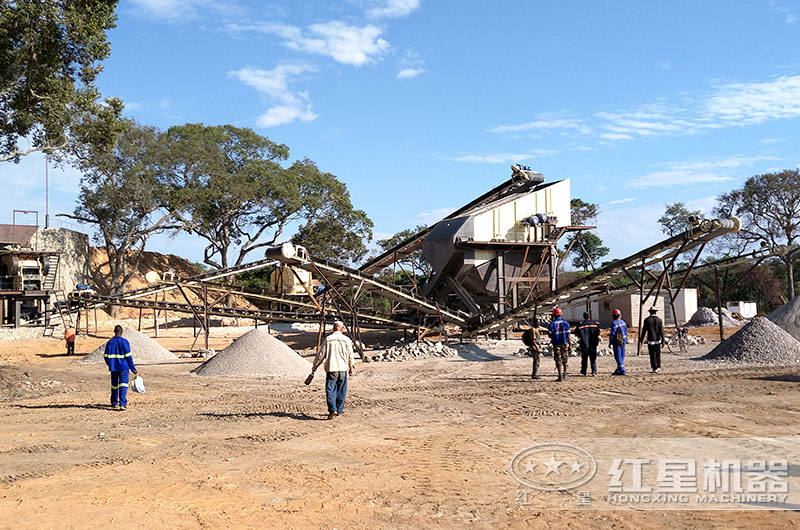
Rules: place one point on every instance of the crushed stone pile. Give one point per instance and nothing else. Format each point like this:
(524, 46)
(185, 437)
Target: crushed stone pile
(691, 340)
(787, 317)
(405, 351)
(144, 350)
(256, 354)
(758, 342)
(705, 316)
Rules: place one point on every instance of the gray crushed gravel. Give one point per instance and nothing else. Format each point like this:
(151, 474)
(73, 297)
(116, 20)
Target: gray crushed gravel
(143, 349)
(256, 354)
(706, 316)
(759, 342)
(787, 317)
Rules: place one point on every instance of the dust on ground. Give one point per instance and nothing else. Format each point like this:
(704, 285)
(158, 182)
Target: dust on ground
(421, 444)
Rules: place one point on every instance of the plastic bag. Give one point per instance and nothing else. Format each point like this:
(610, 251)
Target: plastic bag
(138, 384)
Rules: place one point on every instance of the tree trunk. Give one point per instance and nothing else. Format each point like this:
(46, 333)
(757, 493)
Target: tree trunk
(790, 272)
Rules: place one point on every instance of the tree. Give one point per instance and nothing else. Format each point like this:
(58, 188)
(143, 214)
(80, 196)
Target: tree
(769, 207)
(582, 212)
(591, 251)
(123, 193)
(416, 259)
(676, 218)
(50, 52)
(231, 190)
(587, 247)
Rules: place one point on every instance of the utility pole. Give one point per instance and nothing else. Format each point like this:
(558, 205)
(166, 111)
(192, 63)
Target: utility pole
(46, 193)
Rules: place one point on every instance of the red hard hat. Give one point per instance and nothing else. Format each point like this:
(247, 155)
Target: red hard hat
(616, 313)
(557, 311)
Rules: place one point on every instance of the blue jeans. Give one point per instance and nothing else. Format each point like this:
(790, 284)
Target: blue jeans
(119, 388)
(335, 391)
(619, 356)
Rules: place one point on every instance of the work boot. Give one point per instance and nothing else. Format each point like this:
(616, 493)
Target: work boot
(565, 376)
(332, 415)
(535, 376)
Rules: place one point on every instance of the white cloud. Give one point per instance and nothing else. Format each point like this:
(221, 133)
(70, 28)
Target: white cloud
(725, 105)
(622, 201)
(408, 73)
(428, 218)
(342, 42)
(749, 103)
(544, 123)
(503, 158)
(694, 172)
(181, 10)
(410, 65)
(275, 85)
(393, 8)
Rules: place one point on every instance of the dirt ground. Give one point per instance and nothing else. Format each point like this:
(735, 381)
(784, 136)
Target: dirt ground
(421, 444)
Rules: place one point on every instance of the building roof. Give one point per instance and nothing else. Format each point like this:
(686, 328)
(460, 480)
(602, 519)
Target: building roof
(19, 234)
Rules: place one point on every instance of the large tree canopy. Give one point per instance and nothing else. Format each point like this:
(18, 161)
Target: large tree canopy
(232, 191)
(123, 193)
(586, 247)
(769, 207)
(49, 59)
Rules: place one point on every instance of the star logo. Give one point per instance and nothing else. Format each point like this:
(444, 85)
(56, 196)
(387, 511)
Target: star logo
(576, 466)
(552, 465)
(529, 466)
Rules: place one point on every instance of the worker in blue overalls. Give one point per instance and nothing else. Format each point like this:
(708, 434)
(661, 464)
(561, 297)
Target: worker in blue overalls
(119, 360)
(617, 340)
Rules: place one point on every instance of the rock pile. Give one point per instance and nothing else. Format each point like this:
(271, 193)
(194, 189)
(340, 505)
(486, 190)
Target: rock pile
(758, 342)
(787, 317)
(405, 351)
(691, 340)
(256, 354)
(705, 316)
(144, 350)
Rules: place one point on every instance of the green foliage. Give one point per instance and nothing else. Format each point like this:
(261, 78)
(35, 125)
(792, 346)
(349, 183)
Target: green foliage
(123, 193)
(676, 218)
(50, 52)
(232, 191)
(416, 259)
(255, 280)
(583, 212)
(769, 207)
(587, 247)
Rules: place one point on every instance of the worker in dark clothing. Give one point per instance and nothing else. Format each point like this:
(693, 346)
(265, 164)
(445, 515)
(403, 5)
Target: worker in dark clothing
(653, 332)
(588, 333)
(559, 338)
(529, 337)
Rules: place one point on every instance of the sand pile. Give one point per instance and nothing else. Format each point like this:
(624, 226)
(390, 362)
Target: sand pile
(256, 354)
(758, 342)
(705, 316)
(144, 350)
(787, 317)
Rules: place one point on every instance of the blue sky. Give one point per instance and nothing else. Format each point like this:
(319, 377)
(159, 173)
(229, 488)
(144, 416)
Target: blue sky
(419, 106)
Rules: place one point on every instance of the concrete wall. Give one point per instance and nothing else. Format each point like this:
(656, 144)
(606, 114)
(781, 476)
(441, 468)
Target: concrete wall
(74, 248)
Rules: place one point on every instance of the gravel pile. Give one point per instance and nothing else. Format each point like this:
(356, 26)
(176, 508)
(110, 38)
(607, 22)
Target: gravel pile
(691, 340)
(144, 350)
(25, 333)
(787, 317)
(705, 316)
(405, 351)
(758, 342)
(256, 354)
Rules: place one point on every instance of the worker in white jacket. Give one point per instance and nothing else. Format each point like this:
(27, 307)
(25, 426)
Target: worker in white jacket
(337, 354)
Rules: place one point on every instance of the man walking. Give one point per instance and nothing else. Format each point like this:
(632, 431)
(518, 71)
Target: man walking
(653, 332)
(119, 360)
(337, 354)
(559, 338)
(529, 337)
(588, 333)
(617, 340)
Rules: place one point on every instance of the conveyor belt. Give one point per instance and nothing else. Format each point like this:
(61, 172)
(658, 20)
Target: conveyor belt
(656, 254)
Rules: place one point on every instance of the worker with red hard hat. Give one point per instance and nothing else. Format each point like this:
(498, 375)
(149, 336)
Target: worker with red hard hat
(559, 338)
(617, 340)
